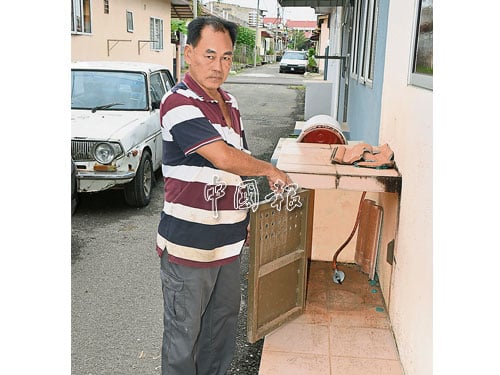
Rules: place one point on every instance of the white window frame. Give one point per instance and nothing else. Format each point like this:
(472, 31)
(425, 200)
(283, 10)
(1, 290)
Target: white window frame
(156, 33)
(364, 41)
(414, 78)
(77, 10)
(130, 21)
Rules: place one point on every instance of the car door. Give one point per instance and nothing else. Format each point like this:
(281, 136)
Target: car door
(280, 246)
(157, 91)
(168, 79)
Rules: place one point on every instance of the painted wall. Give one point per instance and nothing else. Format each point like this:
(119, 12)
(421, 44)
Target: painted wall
(323, 43)
(114, 26)
(399, 114)
(335, 48)
(406, 124)
(363, 115)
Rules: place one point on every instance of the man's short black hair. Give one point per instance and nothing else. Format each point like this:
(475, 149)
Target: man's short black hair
(218, 24)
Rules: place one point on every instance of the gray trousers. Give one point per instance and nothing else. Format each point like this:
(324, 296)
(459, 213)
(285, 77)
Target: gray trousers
(201, 307)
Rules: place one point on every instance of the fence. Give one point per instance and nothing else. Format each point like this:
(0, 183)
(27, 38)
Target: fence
(242, 56)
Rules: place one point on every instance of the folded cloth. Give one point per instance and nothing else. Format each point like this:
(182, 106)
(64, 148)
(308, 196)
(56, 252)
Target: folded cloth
(364, 155)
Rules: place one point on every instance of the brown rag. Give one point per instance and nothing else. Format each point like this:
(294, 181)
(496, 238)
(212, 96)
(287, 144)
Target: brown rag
(364, 155)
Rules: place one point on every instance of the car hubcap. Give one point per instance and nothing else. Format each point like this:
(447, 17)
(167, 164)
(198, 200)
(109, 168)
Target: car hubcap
(147, 180)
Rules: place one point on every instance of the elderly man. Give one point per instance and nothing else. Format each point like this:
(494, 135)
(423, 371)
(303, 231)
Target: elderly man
(202, 228)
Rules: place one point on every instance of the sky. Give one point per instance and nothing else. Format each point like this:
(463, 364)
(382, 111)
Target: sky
(290, 13)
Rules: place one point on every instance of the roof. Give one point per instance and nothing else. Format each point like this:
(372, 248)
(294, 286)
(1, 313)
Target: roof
(272, 20)
(311, 3)
(301, 24)
(183, 9)
(131, 66)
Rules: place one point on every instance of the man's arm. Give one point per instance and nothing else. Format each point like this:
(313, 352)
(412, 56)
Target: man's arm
(238, 162)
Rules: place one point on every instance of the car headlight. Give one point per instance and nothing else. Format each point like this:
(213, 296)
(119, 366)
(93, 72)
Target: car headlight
(105, 152)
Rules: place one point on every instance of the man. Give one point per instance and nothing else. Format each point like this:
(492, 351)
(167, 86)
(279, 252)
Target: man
(202, 230)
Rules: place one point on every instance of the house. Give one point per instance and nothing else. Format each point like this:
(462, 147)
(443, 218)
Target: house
(143, 36)
(306, 26)
(378, 81)
(126, 29)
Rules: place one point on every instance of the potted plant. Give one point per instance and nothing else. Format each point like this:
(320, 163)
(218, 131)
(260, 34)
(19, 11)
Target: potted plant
(312, 65)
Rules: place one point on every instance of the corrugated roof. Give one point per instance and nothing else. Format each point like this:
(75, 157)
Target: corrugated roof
(183, 9)
(301, 24)
(311, 3)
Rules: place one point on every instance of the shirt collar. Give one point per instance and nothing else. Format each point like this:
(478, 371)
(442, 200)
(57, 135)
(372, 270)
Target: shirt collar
(193, 85)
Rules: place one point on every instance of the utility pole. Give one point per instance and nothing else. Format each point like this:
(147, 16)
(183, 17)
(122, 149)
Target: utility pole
(195, 8)
(256, 35)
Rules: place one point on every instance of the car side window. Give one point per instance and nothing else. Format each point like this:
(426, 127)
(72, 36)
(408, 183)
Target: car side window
(168, 79)
(157, 89)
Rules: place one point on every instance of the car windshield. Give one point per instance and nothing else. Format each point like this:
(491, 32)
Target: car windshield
(295, 56)
(108, 90)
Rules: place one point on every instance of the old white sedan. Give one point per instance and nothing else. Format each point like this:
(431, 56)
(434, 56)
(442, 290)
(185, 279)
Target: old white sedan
(115, 126)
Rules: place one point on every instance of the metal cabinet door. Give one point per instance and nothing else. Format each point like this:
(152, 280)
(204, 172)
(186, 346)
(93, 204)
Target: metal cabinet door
(280, 242)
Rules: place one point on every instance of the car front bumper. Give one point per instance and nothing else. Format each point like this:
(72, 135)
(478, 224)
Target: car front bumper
(293, 68)
(92, 181)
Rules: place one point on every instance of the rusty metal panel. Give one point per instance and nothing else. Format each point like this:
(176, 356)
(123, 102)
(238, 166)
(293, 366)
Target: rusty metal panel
(370, 225)
(280, 243)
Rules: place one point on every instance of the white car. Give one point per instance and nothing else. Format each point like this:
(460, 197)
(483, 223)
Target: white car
(115, 126)
(294, 61)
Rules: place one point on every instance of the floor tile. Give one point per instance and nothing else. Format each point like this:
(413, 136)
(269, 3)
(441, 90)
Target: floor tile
(363, 343)
(364, 366)
(299, 338)
(344, 330)
(278, 363)
(367, 317)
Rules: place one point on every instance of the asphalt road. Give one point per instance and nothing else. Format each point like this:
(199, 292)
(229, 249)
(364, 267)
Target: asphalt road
(116, 295)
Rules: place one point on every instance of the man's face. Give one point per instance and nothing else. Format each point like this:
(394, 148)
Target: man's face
(210, 61)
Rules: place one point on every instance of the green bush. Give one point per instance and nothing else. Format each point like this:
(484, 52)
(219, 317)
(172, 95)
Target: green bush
(312, 65)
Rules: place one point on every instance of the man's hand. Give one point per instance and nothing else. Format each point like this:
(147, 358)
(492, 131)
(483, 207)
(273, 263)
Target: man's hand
(278, 180)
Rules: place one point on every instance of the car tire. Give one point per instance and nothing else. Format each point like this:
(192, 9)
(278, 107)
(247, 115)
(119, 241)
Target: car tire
(74, 188)
(138, 191)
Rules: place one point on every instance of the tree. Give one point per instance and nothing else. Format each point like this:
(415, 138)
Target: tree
(177, 26)
(246, 36)
(297, 40)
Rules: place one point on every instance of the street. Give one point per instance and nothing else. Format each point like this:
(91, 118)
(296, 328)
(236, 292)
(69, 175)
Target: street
(116, 299)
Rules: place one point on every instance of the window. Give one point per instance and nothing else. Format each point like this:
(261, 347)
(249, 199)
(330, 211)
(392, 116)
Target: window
(167, 79)
(157, 88)
(421, 67)
(364, 40)
(91, 88)
(156, 33)
(80, 16)
(130, 21)
(106, 6)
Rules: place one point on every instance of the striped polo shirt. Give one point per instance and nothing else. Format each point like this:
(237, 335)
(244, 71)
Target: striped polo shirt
(201, 223)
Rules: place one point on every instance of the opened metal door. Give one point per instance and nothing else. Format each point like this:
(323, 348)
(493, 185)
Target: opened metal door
(280, 243)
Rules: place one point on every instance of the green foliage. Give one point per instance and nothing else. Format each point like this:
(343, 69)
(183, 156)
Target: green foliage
(178, 25)
(311, 61)
(246, 36)
(297, 40)
(312, 65)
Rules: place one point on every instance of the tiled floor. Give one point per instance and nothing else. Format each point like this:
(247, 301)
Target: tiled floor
(345, 330)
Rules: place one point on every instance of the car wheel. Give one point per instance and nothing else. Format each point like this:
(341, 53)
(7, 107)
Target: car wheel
(138, 191)
(74, 189)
